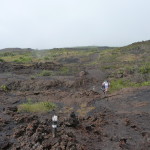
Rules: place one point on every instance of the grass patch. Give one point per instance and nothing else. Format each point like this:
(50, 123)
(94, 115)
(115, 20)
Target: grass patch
(23, 59)
(64, 70)
(36, 107)
(145, 83)
(117, 85)
(120, 84)
(42, 73)
(46, 73)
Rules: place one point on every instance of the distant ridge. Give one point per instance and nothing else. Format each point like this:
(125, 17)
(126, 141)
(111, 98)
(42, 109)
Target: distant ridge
(90, 47)
(16, 49)
(140, 43)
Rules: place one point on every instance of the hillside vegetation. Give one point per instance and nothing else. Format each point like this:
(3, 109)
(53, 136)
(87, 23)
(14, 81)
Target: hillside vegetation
(126, 66)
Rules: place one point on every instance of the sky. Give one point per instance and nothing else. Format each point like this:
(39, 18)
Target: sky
(46, 24)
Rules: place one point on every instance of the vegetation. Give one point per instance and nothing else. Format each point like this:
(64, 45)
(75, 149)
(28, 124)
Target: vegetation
(24, 59)
(46, 73)
(36, 107)
(123, 83)
(65, 71)
(127, 66)
(145, 68)
(1, 60)
(4, 88)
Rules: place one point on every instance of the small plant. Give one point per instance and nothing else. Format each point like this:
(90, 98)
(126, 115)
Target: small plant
(1, 60)
(36, 107)
(46, 73)
(32, 77)
(145, 69)
(4, 88)
(64, 70)
(46, 58)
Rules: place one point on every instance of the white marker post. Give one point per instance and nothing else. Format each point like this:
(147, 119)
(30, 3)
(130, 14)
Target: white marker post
(54, 125)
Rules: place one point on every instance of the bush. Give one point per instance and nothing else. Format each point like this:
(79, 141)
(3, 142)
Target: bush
(118, 85)
(46, 58)
(36, 107)
(145, 69)
(64, 71)
(146, 83)
(32, 77)
(4, 88)
(1, 60)
(23, 60)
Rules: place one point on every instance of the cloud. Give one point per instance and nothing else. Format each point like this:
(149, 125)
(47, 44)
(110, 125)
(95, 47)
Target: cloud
(60, 23)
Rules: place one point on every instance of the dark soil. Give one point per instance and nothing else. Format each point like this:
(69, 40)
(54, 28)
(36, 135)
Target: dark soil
(113, 122)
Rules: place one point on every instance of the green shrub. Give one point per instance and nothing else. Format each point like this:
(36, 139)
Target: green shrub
(36, 107)
(1, 60)
(145, 69)
(46, 58)
(32, 77)
(4, 88)
(146, 83)
(118, 85)
(64, 71)
(23, 59)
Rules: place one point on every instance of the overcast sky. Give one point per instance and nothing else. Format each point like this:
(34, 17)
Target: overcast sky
(43, 24)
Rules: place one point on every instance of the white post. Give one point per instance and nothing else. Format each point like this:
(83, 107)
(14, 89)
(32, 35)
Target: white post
(54, 125)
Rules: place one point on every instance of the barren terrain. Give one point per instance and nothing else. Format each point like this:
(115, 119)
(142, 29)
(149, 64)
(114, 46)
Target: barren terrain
(119, 120)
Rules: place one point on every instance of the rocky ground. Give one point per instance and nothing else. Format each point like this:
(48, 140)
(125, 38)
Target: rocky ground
(113, 122)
